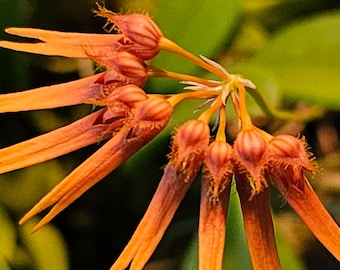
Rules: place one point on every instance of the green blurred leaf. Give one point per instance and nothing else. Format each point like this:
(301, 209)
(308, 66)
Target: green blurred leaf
(305, 58)
(314, 40)
(22, 188)
(288, 258)
(7, 237)
(201, 27)
(47, 247)
(315, 84)
(3, 263)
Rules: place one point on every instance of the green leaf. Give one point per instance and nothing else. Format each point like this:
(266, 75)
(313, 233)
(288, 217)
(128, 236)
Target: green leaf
(305, 58)
(313, 40)
(47, 247)
(7, 237)
(314, 84)
(22, 188)
(3, 263)
(201, 27)
(288, 258)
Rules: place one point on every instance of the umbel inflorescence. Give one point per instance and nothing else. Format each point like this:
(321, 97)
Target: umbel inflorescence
(128, 118)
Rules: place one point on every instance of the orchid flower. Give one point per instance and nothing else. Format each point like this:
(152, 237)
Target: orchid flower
(127, 118)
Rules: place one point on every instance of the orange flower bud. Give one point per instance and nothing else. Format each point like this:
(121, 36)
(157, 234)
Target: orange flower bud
(218, 168)
(288, 150)
(139, 28)
(216, 180)
(188, 147)
(249, 148)
(154, 109)
(150, 115)
(130, 68)
(142, 35)
(190, 136)
(129, 95)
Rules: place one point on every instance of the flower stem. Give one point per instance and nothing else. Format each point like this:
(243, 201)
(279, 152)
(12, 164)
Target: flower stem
(220, 136)
(170, 46)
(177, 98)
(246, 122)
(157, 72)
(207, 115)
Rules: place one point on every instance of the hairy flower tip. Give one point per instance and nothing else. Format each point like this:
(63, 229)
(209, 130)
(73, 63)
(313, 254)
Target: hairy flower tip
(128, 95)
(127, 68)
(249, 151)
(150, 115)
(142, 32)
(218, 168)
(289, 150)
(189, 145)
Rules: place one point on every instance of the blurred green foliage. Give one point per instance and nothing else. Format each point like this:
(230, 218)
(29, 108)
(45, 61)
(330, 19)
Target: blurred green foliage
(289, 48)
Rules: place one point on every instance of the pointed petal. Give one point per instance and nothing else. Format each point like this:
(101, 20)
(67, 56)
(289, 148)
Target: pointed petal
(258, 225)
(302, 198)
(54, 144)
(78, 45)
(49, 49)
(169, 194)
(101, 163)
(81, 179)
(189, 145)
(216, 183)
(212, 225)
(64, 37)
(65, 94)
(118, 149)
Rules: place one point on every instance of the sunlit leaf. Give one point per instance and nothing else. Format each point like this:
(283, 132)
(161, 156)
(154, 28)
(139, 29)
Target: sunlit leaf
(288, 258)
(4, 264)
(305, 58)
(7, 236)
(29, 185)
(47, 247)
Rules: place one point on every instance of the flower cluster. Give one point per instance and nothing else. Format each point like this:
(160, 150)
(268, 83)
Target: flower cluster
(128, 118)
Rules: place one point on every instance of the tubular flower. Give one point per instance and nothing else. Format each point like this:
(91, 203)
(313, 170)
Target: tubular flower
(216, 183)
(189, 145)
(128, 118)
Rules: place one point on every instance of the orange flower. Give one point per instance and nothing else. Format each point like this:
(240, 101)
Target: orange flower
(188, 148)
(289, 159)
(216, 183)
(129, 118)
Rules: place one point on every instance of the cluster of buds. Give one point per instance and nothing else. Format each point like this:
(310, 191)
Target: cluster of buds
(129, 118)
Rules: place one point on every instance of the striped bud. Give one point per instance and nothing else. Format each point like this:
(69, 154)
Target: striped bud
(289, 150)
(218, 168)
(141, 34)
